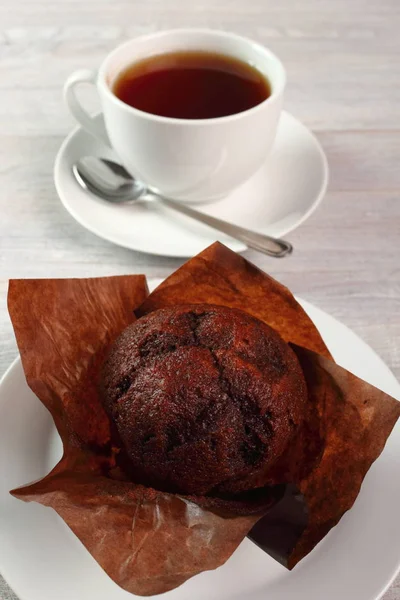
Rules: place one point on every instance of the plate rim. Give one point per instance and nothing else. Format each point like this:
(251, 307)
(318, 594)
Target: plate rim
(239, 247)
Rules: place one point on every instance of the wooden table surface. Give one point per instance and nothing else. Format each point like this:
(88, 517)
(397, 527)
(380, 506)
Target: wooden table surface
(342, 59)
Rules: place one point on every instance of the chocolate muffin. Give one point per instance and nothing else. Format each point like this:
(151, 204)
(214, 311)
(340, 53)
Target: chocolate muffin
(205, 398)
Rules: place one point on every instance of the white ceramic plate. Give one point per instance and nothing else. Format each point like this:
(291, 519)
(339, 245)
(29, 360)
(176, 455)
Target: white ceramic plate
(277, 199)
(43, 560)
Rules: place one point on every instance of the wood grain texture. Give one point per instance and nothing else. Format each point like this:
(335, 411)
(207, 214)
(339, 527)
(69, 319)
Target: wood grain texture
(342, 60)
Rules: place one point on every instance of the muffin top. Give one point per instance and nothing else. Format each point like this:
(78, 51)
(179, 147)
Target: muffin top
(204, 398)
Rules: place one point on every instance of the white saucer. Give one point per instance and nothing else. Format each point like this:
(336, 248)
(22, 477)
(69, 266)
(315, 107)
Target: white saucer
(276, 200)
(42, 560)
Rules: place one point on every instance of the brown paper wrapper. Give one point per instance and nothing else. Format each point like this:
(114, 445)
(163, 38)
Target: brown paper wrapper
(148, 541)
(354, 421)
(219, 276)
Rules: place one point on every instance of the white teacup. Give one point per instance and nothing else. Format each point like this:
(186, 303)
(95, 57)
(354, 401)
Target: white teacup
(194, 160)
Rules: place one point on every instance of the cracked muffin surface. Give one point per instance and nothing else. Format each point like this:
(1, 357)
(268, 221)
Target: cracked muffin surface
(204, 398)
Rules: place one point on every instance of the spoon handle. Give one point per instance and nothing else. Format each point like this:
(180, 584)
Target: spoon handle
(257, 241)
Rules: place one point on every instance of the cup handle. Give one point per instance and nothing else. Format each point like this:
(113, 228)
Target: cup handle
(93, 126)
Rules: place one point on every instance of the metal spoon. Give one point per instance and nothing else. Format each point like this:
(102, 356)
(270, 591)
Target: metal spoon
(112, 182)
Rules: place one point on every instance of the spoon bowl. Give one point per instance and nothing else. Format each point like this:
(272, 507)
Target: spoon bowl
(108, 180)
